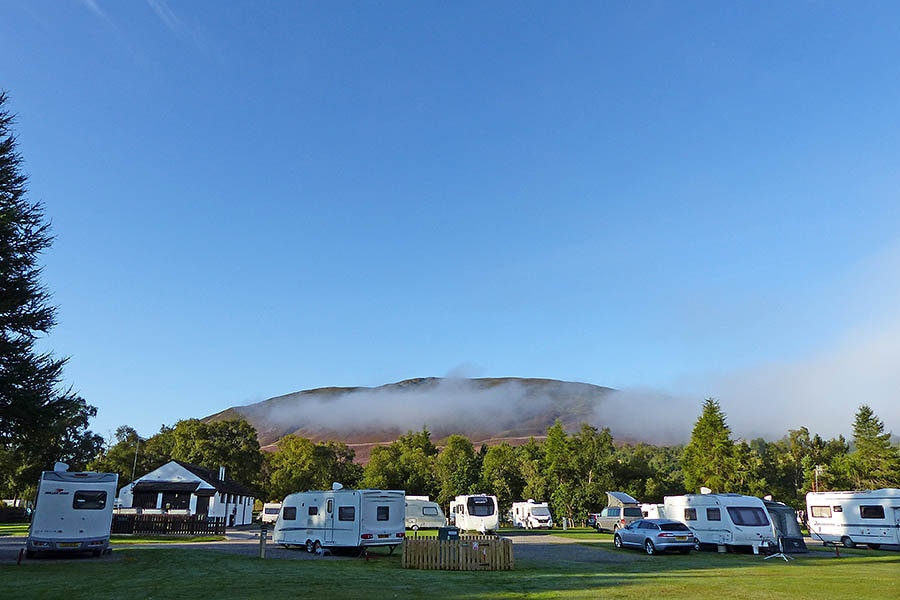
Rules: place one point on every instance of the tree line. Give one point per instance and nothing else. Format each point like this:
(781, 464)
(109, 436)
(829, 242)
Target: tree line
(571, 471)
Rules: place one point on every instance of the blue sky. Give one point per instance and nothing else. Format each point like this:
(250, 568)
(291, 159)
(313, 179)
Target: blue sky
(253, 198)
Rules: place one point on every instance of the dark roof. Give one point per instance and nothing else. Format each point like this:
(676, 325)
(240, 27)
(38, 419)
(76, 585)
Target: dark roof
(165, 486)
(212, 478)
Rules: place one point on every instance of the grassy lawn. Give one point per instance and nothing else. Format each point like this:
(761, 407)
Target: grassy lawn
(184, 572)
(13, 529)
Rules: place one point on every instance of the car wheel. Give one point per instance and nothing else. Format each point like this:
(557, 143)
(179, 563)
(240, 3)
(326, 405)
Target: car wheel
(617, 541)
(649, 547)
(847, 542)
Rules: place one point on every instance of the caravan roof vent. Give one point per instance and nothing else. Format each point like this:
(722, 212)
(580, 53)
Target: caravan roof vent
(60, 466)
(336, 486)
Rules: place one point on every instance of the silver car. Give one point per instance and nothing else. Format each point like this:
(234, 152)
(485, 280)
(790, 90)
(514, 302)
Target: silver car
(656, 535)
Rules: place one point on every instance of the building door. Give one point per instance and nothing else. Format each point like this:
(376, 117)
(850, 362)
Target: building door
(202, 506)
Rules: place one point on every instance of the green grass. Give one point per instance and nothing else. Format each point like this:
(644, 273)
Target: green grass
(13, 529)
(183, 572)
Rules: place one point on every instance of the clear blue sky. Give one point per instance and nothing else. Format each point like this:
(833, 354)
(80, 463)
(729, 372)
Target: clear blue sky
(254, 198)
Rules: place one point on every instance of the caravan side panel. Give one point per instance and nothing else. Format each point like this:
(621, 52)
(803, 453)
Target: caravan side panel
(723, 519)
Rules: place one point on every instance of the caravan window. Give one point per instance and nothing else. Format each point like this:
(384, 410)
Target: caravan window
(346, 513)
(820, 512)
(313, 510)
(329, 508)
(289, 513)
(748, 516)
(713, 514)
(871, 512)
(481, 506)
(690, 514)
(86, 500)
(429, 511)
(383, 513)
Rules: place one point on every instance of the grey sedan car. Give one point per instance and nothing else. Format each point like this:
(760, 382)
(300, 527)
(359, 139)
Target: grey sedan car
(656, 535)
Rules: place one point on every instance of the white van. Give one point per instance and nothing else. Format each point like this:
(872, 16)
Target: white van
(476, 512)
(339, 518)
(531, 515)
(72, 512)
(270, 512)
(723, 519)
(870, 517)
(422, 513)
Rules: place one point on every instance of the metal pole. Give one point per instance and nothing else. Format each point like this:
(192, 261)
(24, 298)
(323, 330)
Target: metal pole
(262, 541)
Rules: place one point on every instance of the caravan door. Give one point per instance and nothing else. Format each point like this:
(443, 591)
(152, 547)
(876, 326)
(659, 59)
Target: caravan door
(329, 522)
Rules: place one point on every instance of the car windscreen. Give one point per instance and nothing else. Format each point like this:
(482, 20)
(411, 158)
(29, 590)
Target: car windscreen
(674, 527)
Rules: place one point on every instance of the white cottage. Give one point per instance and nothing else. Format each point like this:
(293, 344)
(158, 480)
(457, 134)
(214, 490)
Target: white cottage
(182, 488)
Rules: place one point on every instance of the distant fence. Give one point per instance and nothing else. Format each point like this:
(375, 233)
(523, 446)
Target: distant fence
(168, 524)
(468, 553)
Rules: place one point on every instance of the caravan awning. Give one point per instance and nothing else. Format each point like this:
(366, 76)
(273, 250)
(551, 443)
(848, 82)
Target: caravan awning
(165, 486)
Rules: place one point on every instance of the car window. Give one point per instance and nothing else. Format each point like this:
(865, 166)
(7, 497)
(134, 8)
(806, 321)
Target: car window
(634, 511)
(674, 527)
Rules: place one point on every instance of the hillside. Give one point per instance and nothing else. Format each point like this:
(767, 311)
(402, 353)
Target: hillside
(488, 410)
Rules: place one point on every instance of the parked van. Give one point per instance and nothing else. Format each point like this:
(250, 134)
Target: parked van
(422, 513)
(870, 517)
(270, 512)
(621, 510)
(340, 518)
(475, 513)
(72, 512)
(531, 515)
(723, 519)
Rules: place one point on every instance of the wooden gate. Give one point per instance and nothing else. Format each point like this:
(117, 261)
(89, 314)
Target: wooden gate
(468, 553)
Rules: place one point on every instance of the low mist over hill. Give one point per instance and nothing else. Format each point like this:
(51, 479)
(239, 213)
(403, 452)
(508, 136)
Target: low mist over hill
(483, 410)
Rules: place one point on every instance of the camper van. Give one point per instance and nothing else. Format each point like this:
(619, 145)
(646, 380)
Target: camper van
(475, 513)
(870, 517)
(730, 520)
(270, 512)
(341, 518)
(531, 515)
(621, 509)
(72, 512)
(422, 513)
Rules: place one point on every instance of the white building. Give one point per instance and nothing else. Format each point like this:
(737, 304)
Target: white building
(182, 488)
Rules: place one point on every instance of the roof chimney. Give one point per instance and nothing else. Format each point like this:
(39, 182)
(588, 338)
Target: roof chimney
(222, 473)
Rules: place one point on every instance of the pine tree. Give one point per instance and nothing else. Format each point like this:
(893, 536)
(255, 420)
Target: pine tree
(708, 459)
(875, 462)
(39, 422)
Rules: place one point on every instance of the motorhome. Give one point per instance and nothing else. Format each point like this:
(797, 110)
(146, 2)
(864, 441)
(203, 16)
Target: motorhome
(870, 517)
(341, 518)
(422, 513)
(270, 512)
(475, 513)
(723, 520)
(785, 526)
(72, 512)
(531, 515)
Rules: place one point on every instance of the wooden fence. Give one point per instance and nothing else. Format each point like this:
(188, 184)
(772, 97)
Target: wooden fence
(168, 525)
(468, 553)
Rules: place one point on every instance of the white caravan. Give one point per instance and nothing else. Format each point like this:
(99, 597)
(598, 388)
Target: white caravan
(475, 513)
(653, 511)
(72, 512)
(339, 518)
(270, 512)
(869, 517)
(723, 519)
(531, 515)
(422, 513)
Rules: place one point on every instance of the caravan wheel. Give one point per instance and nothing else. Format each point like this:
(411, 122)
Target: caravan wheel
(310, 546)
(847, 542)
